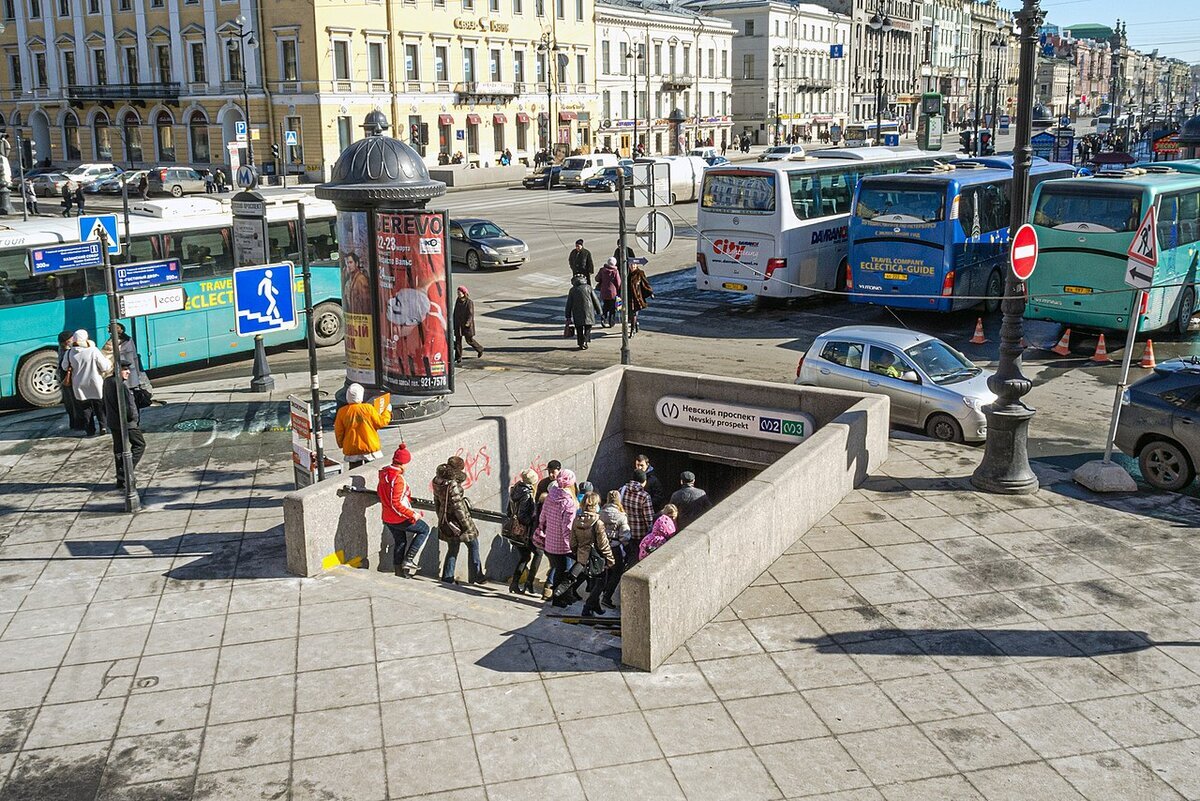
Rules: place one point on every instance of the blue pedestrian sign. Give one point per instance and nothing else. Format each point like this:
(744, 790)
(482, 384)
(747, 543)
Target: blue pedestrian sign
(891, 140)
(147, 274)
(290, 139)
(264, 298)
(89, 228)
(61, 258)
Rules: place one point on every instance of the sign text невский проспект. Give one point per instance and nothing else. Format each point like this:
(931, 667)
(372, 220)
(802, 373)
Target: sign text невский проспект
(747, 421)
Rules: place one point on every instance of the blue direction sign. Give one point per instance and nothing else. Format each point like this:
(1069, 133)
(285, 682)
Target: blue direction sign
(90, 227)
(1043, 145)
(264, 298)
(147, 274)
(61, 258)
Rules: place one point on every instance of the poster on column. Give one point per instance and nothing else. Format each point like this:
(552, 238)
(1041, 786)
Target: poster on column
(354, 248)
(414, 298)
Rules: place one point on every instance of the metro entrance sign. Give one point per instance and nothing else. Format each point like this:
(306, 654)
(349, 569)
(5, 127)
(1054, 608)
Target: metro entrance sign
(1024, 253)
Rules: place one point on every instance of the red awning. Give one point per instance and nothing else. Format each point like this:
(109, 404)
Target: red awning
(472, 119)
(445, 119)
(522, 118)
(499, 119)
(565, 116)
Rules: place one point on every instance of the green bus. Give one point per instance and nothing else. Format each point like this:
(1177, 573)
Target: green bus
(197, 231)
(1084, 229)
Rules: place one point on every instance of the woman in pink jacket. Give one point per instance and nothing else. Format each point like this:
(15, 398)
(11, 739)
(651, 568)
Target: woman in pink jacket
(663, 530)
(558, 515)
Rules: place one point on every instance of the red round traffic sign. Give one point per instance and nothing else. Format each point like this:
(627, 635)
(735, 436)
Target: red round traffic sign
(1024, 252)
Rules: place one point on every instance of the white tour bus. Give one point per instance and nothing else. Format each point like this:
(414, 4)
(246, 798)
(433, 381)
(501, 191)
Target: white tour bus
(864, 134)
(779, 230)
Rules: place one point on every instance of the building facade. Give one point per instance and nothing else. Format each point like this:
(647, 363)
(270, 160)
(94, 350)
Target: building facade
(791, 69)
(1052, 83)
(653, 60)
(151, 82)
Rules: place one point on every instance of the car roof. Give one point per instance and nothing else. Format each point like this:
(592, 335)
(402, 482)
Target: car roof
(468, 220)
(879, 335)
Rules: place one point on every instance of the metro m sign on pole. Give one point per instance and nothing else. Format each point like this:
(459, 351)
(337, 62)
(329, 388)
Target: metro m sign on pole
(1023, 255)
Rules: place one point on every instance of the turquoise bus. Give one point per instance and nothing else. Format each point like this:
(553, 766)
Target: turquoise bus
(1084, 228)
(35, 309)
(935, 238)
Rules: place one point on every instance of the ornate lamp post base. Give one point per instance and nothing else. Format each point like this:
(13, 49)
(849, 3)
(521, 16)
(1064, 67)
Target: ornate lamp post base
(1005, 467)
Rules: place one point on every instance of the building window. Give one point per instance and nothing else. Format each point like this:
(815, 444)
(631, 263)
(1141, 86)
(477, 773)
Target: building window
(71, 137)
(39, 70)
(540, 67)
(468, 5)
(749, 27)
(156, 3)
(539, 7)
(494, 65)
(199, 74)
(687, 60)
(10, 9)
(563, 63)
(100, 137)
(341, 60)
(236, 72)
(606, 105)
(131, 125)
(131, 65)
(748, 65)
(623, 58)
(100, 66)
(164, 135)
(579, 10)
(560, 9)
(35, 8)
(69, 68)
(412, 63)
(522, 136)
(375, 68)
(64, 8)
(518, 8)
(712, 63)
(289, 65)
(625, 105)
(468, 65)
(580, 69)
(441, 63)
(125, 5)
(198, 137)
(605, 58)
(498, 146)
(14, 71)
(295, 153)
(494, 6)
(472, 138)
(724, 63)
(657, 59)
(519, 66)
(345, 132)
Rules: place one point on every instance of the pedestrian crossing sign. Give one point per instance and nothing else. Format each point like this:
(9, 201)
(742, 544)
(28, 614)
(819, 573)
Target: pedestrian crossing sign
(264, 298)
(91, 226)
(290, 139)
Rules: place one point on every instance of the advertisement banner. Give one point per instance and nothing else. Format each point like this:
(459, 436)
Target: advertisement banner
(414, 301)
(354, 249)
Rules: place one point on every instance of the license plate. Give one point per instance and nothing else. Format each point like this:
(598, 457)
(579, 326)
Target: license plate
(736, 287)
(1077, 290)
(896, 276)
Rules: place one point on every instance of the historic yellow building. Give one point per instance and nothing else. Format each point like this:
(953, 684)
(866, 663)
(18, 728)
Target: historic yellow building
(149, 82)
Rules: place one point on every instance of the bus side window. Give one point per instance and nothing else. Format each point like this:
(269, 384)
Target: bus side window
(1189, 218)
(283, 242)
(835, 194)
(803, 197)
(322, 241)
(1169, 229)
(203, 253)
(968, 212)
(141, 248)
(995, 207)
(17, 288)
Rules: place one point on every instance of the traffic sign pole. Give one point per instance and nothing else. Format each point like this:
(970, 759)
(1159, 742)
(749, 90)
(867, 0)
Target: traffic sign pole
(283, 173)
(623, 266)
(314, 379)
(1135, 314)
(132, 501)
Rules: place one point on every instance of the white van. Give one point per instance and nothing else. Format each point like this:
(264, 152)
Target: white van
(687, 174)
(704, 152)
(577, 169)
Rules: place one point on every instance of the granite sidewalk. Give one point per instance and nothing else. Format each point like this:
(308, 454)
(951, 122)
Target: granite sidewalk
(923, 642)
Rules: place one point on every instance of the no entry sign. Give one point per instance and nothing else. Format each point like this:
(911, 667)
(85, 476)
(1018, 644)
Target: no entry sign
(1023, 256)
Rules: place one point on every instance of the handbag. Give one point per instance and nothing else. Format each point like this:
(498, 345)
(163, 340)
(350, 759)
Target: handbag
(142, 397)
(596, 562)
(66, 382)
(568, 331)
(445, 523)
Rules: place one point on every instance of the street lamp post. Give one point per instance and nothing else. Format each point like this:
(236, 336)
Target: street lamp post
(1005, 465)
(779, 63)
(998, 44)
(978, 92)
(241, 40)
(882, 23)
(636, 57)
(549, 47)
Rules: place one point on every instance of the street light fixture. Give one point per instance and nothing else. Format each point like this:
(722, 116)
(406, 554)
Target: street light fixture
(998, 44)
(881, 23)
(549, 48)
(240, 41)
(780, 61)
(635, 57)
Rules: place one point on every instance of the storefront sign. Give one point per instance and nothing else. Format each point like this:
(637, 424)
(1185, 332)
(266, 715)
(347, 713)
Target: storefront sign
(1167, 144)
(354, 249)
(480, 24)
(414, 302)
(728, 418)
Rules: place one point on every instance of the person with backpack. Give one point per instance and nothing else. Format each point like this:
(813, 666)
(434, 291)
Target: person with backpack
(519, 524)
(399, 516)
(593, 555)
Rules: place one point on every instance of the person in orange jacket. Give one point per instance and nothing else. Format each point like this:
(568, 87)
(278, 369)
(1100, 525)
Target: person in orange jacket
(356, 428)
(399, 516)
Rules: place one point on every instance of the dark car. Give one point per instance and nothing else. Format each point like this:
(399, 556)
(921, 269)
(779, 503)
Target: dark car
(478, 243)
(551, 173)
(1160, 423)
(606, 180)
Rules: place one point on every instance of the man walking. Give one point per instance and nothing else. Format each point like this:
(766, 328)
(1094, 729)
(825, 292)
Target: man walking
(68, 199)
(30, 196)
(580, 260)
(640, 511)
(464, 325)
(137, 442)
(582, 310)
(689, 500)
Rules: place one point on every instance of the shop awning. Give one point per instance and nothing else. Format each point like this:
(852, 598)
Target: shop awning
(567, 116)
(445, 119)
(499, 119)
(472, 119)
(522, 118)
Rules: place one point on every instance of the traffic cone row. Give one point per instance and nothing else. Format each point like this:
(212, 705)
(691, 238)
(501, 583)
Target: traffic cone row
(1148, 362)
(1063, 348)
(979, 338)
(1101, 354)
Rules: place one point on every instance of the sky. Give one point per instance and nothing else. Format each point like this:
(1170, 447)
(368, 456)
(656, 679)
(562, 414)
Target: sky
(1172, 26)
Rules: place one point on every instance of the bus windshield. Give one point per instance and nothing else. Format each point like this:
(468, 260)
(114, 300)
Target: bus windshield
(1068, 209)
(739, 193)
(894, 204)
(941, 362)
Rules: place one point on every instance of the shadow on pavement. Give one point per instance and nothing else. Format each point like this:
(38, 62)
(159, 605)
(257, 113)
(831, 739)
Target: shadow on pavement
(1070, 643)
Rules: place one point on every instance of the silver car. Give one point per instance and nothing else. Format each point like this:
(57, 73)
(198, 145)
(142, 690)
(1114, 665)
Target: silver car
(782, 153)
(931, 385)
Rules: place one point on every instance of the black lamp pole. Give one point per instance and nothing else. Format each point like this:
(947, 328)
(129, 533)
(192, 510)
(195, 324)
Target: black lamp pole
(882, 23)
(778, 118)
(244, 39)
(1005, 466)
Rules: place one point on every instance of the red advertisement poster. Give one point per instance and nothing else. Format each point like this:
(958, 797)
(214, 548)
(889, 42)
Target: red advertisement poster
(414, 302)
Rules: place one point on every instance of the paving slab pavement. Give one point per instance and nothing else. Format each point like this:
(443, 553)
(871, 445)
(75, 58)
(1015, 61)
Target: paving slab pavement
(924, 641)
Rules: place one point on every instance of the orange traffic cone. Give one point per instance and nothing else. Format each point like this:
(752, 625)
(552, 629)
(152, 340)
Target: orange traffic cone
(1101, 354)
(979, 338)
(1063, 348)
(1148, 362)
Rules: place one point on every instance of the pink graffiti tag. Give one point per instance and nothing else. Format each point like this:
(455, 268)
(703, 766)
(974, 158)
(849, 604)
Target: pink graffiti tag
(476, 465)
(537, 465)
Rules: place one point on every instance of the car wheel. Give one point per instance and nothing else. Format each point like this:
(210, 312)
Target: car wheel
(1165, 465)
(587, 189)
(328, 324)
(994, 292)
(1187, 305)
(37, 380)
(944, 427)
(176, 191)
(473, 261)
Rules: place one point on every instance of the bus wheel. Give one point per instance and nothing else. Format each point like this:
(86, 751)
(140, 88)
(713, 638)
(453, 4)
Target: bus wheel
(994, 292)
(944, 427)
(329, 327)
(37, 380)
(1187, 306)
(839, 283)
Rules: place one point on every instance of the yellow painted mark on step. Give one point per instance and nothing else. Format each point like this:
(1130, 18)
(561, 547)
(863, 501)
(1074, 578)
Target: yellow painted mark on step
(339, 558)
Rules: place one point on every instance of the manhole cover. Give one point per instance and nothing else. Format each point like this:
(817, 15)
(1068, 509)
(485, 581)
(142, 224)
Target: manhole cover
(196, 424)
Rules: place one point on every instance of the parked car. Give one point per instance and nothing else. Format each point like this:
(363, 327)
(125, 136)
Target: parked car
(782, 153)
(478, 243)
(717, 161)
(29, 174)
(175, 181)
(50, 184)
(931, 385)
(547, 173)
(112, 186)
(606, 181)
(85, 174)
(1160, 423)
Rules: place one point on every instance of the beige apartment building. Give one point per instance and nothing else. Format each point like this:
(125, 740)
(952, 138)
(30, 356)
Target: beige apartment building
(152, 82)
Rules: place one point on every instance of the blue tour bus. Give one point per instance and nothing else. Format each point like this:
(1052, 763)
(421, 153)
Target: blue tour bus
(935, 237)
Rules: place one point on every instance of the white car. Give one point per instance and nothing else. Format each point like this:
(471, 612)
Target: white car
(782, 153)
(85, 174)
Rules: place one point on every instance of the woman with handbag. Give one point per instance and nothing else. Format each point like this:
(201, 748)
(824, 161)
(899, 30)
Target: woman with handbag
(558, 515)
(639, 294)
(455, 525)
(518, 530)
(593, 555)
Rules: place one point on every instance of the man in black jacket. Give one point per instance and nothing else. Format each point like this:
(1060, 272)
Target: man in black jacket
(689, 499)
(137, 442)
(580, 260)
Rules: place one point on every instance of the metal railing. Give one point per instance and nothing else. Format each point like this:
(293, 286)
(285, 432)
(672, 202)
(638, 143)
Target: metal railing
(677, 79)
(124, 91)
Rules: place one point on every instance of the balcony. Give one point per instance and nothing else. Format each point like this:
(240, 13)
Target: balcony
(487, 89)
(803, 83)
(120, 92)
(676, 81)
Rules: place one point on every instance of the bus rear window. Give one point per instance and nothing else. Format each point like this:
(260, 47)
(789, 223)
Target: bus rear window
(739, 193)
(1072, 210)
(893, 204)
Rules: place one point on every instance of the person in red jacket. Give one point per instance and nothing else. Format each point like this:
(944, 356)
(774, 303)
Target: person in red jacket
(399, 516)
